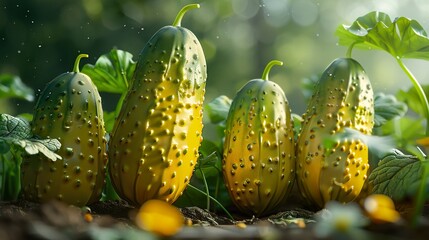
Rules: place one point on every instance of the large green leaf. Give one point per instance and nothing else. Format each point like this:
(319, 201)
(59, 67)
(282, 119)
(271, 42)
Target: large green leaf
(112, 72)
(402, 38)
(12, 87)
(33, 146)
(378, 146)
(17, 132)
(14, 127)
(387, 107)
(395, 174)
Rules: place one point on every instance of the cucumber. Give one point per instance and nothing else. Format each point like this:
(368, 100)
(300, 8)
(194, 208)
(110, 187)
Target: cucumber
(343, 98)
(259, 151)
(69, 109)
(153, 147)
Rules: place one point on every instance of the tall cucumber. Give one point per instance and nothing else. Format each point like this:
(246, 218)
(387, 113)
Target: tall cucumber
(343, 98)
(69, 109)
(259, 153)
(154, 144)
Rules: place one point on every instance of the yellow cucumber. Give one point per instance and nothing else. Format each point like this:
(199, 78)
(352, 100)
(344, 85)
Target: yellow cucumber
(343, 98)
(154, 144)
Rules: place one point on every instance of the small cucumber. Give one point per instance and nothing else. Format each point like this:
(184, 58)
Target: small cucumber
(69, 109)
(259, 151)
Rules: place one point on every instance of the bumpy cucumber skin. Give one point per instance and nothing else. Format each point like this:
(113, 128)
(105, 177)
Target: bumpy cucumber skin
(69, 109)
(343, 98)
(154, 144)
(259, 152)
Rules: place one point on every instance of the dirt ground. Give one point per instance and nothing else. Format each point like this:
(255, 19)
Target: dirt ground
(114, 220)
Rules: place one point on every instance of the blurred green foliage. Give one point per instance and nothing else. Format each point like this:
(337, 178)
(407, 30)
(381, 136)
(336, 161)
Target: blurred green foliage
(40, 39)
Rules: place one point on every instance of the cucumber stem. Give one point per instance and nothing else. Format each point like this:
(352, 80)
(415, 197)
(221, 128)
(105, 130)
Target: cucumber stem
(76, 63)
(182, 12)
(421, 192)
(350, 49)
(419, 90)
(206, 188)
(267, 69)
(213, 199)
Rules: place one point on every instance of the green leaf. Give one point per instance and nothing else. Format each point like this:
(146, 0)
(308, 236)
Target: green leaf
(14, 127)
(208, 147)
(17, 131)
(33, 146)
(395, 174)
(210, 161)
(378, 146)
(12, 87)
(209, 166)
(109, 120)
(308, 84)
(4, 147)
(297, 122)
(112, 72)
(218, 109)
(387, 107)
(411, 98)
(402, 38)
(404, 130)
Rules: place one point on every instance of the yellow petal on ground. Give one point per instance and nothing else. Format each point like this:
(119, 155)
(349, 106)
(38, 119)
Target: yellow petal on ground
(423, 141)
(380, 208)
(159, 217)
(241, 225)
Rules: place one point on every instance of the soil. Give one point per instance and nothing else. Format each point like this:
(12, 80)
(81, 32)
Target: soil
(114, 220)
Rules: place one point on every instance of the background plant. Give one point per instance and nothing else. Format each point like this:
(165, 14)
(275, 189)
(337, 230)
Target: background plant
(401, 38)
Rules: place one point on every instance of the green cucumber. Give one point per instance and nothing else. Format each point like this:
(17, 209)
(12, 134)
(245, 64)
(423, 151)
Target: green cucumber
(69, 109)
(259, 151)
